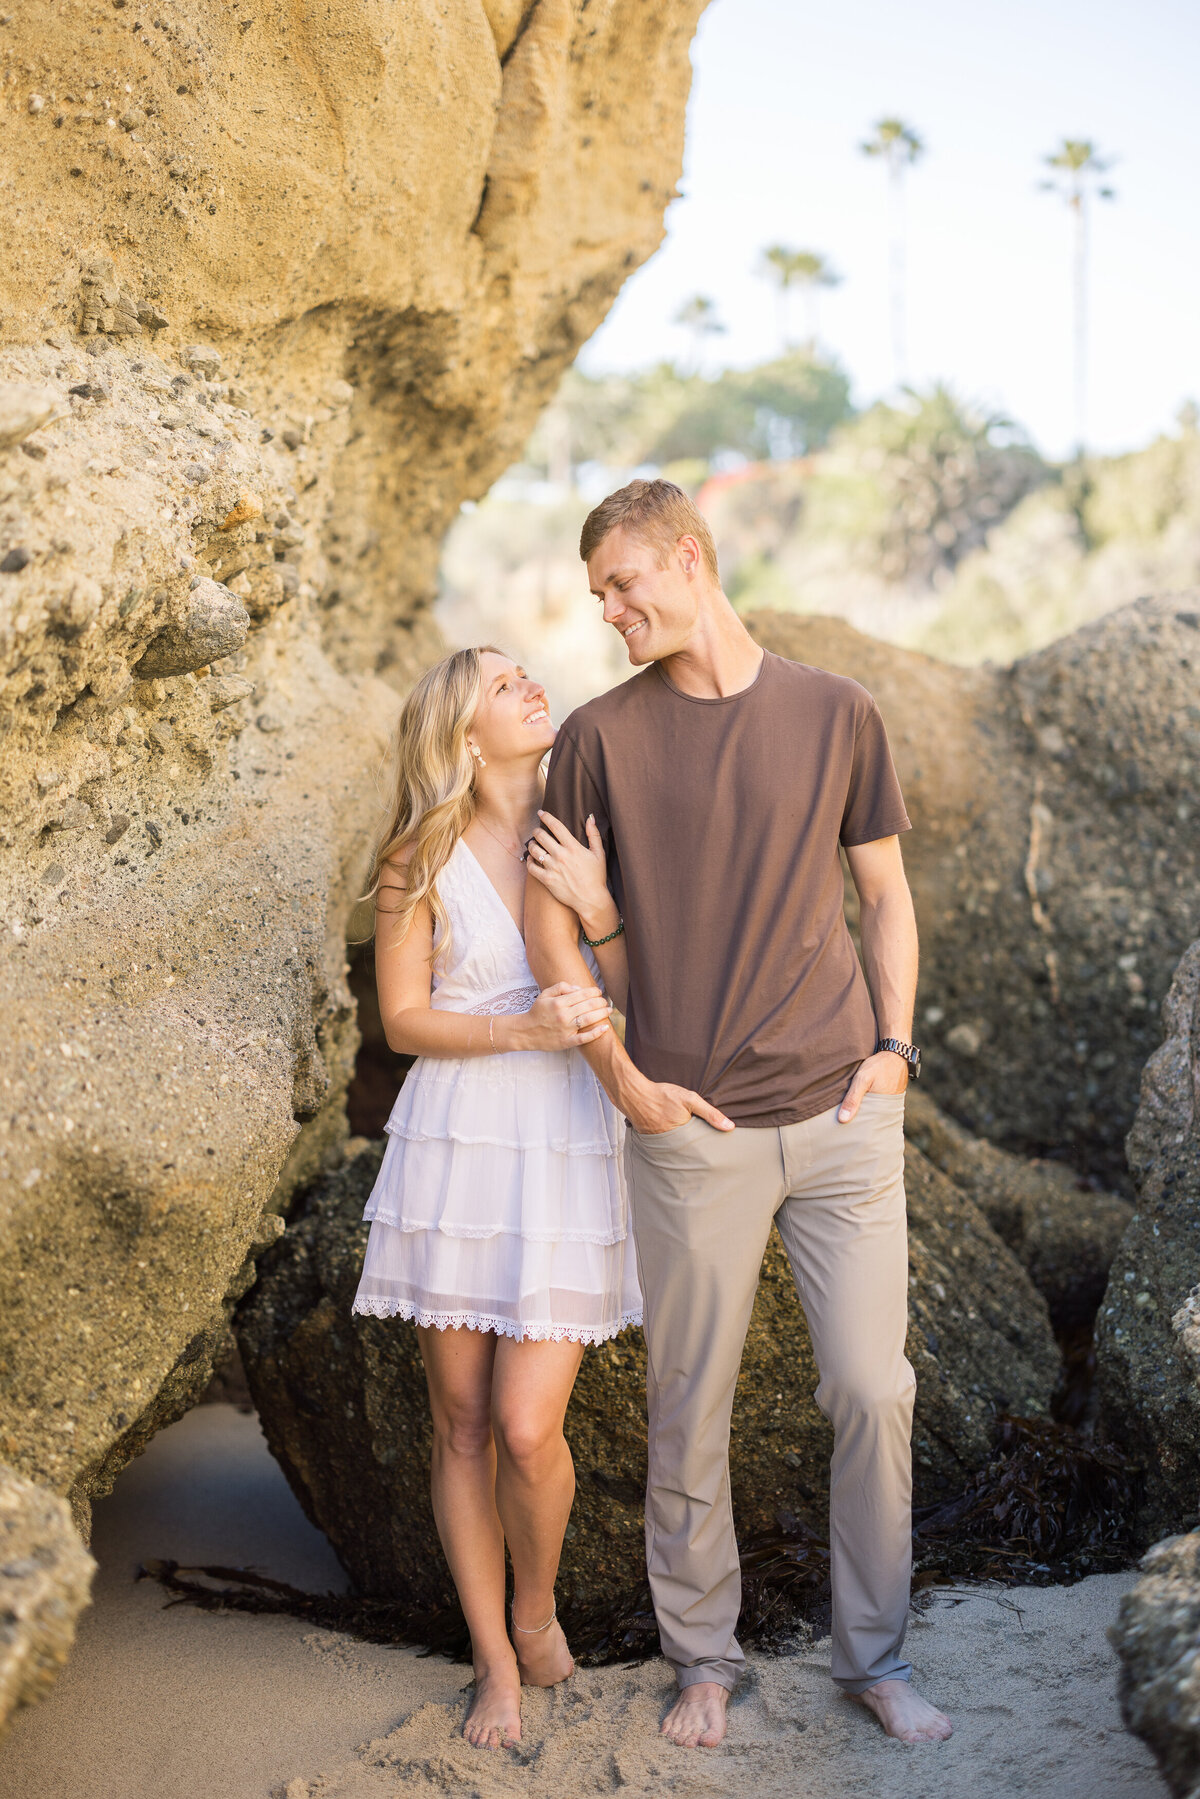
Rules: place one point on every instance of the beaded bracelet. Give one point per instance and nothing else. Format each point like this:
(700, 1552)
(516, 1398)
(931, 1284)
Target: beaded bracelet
(595, 942)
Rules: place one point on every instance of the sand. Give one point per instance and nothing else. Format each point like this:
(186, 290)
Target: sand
(170, 1703)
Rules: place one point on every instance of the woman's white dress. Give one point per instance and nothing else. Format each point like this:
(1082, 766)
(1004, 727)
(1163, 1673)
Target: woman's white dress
(500, 1203)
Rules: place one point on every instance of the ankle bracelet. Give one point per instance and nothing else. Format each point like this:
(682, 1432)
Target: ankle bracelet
(538, 1629)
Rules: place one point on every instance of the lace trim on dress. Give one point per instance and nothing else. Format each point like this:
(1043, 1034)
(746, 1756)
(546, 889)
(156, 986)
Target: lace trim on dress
(517, 999)
(503, 1327)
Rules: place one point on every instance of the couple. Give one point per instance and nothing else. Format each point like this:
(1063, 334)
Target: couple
(762, 1080)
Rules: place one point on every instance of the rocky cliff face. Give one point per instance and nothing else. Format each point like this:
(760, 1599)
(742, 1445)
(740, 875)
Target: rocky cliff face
(284, 287)
(1055, 863)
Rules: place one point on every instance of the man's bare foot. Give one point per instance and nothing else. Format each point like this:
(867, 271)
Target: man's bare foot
(544, 1659)
(904, 1714)
(697, 1718)
(493, 1719)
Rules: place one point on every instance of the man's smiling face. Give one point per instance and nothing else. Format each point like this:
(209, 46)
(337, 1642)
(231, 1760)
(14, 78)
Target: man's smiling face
(652, 607)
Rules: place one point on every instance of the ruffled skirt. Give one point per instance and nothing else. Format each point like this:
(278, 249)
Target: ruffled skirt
(500, 1204)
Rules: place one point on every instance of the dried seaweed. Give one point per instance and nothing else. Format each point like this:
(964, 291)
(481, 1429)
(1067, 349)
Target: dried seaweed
(1052, 1506)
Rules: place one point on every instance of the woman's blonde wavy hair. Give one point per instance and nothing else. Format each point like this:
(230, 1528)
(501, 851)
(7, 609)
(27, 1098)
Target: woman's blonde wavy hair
(434, 794)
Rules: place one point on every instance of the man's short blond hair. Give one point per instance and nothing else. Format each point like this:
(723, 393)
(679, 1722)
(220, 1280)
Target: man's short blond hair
(657, 512)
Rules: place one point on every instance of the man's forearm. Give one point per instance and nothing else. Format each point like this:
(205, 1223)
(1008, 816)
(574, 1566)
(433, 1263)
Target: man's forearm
(553, 951)
(888, 928)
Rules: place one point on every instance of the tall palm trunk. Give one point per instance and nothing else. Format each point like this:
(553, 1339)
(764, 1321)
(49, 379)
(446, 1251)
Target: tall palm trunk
(1081, 320)
(898, 268)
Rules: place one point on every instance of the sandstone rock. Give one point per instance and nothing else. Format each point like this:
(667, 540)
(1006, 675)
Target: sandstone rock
(1054, 861)
(1157, 1636)
(376, 202)
(23, 409)
(45, 1582)
(1146, 1335)
(1064, 1235)
(343, 1402)
(214, 623)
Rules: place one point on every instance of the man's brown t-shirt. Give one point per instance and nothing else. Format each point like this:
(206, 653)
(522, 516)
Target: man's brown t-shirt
(722, 820)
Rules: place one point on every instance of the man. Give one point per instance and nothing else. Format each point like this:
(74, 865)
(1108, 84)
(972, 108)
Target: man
(722, 780)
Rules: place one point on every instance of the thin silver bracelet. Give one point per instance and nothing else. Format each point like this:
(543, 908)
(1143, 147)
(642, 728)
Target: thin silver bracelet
(538, 1628)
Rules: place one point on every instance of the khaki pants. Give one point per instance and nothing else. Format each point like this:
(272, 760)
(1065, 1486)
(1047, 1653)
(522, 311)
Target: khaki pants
(702, 1203)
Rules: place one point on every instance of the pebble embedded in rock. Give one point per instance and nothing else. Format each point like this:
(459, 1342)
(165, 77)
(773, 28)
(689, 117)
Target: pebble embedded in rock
(267, 721)
(292, 437)
(214, 624)
(226, 690)
(195, 472)
(154, 831)
(74, 608)
(53, 873)
(248, 507)
(23, 410)
(76, 816)
(118, 827)
(15, 561)
(133, 119)
(202, 359)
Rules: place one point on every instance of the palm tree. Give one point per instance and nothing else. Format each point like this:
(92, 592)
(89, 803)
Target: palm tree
(899, 146)
(699, 317)
(805, 269)
(1077, 169)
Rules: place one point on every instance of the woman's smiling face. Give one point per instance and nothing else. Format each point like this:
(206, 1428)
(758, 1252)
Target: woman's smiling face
(512, 720)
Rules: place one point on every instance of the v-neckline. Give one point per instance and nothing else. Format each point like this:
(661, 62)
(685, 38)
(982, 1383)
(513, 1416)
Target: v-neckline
(494, 891)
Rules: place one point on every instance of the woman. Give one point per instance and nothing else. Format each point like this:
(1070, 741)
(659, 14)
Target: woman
(498, 1218)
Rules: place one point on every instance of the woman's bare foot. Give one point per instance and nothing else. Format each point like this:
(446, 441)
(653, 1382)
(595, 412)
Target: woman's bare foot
(493, 1719)
(544, 1658)
(904, 1714)
(697, 1718)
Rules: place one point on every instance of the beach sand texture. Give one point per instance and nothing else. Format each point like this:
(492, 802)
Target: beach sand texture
(171, 1703)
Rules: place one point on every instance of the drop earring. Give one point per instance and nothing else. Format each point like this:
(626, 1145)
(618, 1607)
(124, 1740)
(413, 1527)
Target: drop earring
(477, 755)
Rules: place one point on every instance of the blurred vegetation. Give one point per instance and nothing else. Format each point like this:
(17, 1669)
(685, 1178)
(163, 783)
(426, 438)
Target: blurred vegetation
(783, 408)
(929, 521)
(912, 488)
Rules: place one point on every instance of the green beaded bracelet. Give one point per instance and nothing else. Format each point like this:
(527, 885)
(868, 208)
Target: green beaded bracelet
(595, 942)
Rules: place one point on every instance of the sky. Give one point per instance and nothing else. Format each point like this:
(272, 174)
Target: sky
(783, 93)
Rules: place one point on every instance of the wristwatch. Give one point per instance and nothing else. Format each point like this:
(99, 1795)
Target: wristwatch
(911, 1054)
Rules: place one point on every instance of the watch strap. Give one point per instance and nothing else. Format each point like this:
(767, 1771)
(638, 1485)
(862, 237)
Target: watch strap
(909, 1051)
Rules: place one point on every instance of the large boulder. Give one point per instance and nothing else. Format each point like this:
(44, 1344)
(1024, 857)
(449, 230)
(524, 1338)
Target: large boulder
(45, 1582)
(1055, 863)
(1063, 1233)
(290, 288)
(343, 1404)
(1148, 1330)
(1157, 1636)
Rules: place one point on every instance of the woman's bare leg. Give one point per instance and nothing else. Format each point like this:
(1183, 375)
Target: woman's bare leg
(459, 1368)
(535, 1488)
